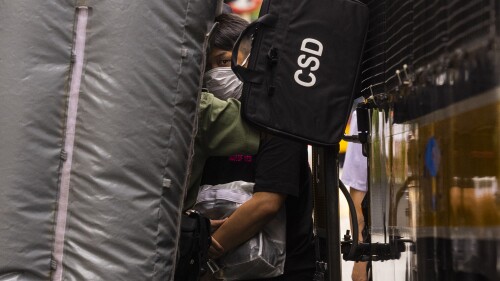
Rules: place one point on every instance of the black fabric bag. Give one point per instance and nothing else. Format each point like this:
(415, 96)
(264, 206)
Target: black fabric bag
(303, 67)
(194, 242)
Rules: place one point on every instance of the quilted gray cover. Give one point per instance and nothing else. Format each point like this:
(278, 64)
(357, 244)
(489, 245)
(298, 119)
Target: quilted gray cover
(133, 130)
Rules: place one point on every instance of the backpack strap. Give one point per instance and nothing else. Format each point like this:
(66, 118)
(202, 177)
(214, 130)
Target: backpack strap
(246, 74)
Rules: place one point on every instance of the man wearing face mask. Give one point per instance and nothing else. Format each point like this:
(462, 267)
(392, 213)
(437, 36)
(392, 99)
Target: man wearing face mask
(219, 79)
(221, 131)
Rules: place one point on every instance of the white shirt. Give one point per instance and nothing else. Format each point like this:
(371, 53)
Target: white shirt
(354, 172)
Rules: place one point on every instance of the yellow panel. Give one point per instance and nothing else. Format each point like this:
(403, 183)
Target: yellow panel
(465, 190)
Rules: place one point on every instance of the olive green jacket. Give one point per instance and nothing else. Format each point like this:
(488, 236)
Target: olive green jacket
(221, 132)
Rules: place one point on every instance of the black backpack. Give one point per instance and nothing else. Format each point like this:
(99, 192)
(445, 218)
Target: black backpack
(303, 67)
(194, 242)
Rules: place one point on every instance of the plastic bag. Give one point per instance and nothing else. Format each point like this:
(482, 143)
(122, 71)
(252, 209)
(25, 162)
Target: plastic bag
(262, 256)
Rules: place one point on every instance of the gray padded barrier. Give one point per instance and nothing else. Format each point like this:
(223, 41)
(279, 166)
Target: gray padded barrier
(95, 140)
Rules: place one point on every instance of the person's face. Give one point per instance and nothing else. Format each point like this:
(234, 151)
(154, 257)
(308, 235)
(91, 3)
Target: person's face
(222, 58)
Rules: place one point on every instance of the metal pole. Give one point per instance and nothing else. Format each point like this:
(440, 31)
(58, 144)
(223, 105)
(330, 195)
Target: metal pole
(332, 212)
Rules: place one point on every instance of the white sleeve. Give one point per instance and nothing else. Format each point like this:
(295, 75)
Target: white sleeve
(354, 172)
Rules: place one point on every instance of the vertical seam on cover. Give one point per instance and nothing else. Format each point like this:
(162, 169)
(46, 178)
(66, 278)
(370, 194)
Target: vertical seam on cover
(78, 52)
(169, 149)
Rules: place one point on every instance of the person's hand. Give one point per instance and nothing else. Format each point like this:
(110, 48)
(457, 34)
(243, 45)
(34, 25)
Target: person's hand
(215, 250)
(359, 271)
(215, 224)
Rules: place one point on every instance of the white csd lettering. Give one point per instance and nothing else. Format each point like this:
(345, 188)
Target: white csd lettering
(305, 62)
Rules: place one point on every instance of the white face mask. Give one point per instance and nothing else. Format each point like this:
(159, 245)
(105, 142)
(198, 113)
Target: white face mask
(223, 83)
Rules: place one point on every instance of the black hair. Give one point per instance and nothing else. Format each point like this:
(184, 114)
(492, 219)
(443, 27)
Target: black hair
(227, 31)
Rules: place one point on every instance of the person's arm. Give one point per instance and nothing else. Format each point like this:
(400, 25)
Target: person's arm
(357, 197)
(359, 268)
(277, 175)
(246, 221)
